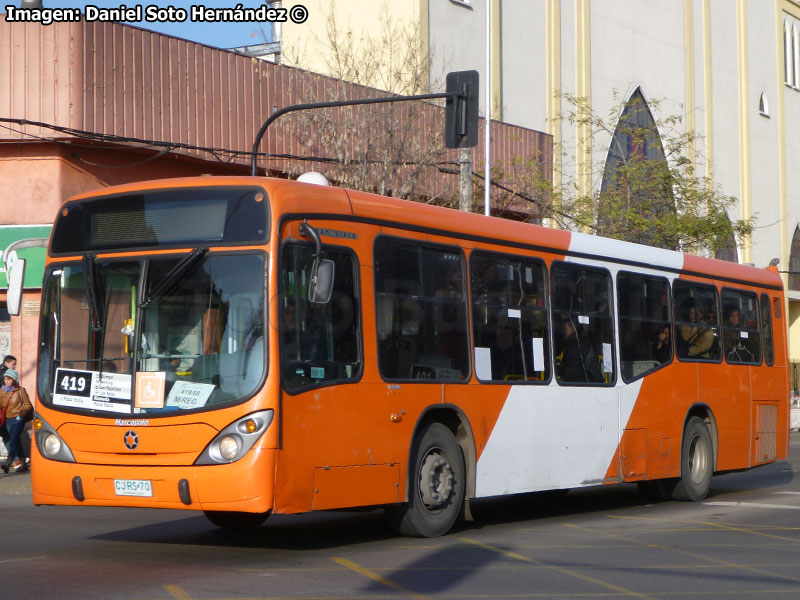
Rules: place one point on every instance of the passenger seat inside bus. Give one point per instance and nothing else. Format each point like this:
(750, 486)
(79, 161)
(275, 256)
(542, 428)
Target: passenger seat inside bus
(206, 369)
(399, 320)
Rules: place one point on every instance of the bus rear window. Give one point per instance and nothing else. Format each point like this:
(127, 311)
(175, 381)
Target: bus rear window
(177, 217)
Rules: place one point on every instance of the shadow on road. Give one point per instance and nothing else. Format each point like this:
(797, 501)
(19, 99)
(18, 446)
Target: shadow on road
(335, 529)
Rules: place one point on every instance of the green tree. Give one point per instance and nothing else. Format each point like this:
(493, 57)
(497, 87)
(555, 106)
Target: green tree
(647, 189)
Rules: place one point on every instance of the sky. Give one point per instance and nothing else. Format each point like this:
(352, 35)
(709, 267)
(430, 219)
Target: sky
(217, 34)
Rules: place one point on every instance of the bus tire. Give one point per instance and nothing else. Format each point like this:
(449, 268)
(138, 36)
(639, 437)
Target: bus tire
(236, 521)
(436, 485)
(697, 462)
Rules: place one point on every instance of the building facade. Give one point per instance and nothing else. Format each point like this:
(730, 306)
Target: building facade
(729, 68)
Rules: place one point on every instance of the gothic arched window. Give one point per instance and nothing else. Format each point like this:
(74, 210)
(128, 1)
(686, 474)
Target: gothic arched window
(636, 189)
(727, 250)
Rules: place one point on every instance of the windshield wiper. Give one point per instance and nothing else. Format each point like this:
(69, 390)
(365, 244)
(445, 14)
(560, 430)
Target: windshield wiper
(94, 295)
(169, 281)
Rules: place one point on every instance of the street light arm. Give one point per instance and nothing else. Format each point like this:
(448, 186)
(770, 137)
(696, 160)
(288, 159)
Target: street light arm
(296, 107)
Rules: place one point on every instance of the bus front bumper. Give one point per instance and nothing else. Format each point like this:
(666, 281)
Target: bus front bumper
(244, 486)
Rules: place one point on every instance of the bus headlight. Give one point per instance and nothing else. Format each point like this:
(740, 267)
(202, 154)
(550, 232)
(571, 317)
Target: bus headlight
(233, 442)
(49, 443)
(228, 447)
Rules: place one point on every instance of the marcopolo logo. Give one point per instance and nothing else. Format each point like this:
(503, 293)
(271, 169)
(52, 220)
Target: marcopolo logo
(131, 440)
(132, 422)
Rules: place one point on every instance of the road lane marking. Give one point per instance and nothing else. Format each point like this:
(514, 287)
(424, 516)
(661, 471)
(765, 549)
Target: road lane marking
(286, 569)
(752, 505)
(744, 528)
(376, 577)
(177, 592)
(10, 560)
(562, 570)
(711, 559)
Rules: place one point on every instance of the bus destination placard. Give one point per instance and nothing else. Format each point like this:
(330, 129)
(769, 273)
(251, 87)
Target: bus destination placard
(93, 390)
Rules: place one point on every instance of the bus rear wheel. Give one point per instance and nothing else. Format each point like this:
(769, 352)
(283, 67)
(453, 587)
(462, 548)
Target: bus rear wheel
(697, 462)
(436, 485)
(235, 521)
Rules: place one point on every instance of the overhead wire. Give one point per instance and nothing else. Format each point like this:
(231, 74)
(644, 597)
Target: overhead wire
(219, 153)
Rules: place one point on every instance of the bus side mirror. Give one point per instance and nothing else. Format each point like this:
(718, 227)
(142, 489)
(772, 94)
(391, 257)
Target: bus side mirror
(320, 285)
(16, 276)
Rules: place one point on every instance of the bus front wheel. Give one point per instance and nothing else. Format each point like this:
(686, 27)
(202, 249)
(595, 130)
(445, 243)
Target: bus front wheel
(436, 485)
(235, 521)
(697, 462)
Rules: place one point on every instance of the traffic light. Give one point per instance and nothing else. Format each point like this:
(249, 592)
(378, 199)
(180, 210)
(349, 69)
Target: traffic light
(461, 114)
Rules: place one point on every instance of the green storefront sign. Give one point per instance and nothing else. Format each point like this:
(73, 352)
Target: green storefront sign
(34, 257)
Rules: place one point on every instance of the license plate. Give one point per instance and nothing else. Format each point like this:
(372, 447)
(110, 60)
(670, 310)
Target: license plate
(133, 487)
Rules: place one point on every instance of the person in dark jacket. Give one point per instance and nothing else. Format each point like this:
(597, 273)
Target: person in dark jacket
(579, 363)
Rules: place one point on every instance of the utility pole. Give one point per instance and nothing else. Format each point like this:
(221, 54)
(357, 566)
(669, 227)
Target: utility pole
(487, 190)
(465, 180)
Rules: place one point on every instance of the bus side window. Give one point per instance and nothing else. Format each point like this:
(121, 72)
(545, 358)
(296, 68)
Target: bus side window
(583, 330)
(645, 329)
(509, 318)
(696, 322)
(421, 311)
(741, 339)
(766, 331)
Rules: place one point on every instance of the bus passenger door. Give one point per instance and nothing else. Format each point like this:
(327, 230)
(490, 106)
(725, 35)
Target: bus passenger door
(336, 440)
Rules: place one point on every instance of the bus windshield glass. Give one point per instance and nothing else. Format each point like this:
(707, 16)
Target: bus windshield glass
(173, 334)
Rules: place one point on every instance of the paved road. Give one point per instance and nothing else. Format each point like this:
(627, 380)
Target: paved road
(600, 543)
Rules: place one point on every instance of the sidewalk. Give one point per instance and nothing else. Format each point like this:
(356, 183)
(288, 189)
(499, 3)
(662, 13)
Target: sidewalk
(15, 484)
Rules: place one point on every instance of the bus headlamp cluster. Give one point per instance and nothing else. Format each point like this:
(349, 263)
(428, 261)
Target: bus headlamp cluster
(49, 443)
(233, 442)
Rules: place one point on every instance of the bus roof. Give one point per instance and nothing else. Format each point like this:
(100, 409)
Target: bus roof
(292, 196)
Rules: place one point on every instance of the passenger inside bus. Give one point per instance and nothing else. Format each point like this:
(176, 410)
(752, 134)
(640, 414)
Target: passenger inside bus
(662, 350)
(736, 349)
(171, 365)
(730, 335)
(696, 338)
(503, 355)
(579, 362)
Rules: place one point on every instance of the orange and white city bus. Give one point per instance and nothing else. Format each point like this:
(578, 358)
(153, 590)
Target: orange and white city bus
(246, 346)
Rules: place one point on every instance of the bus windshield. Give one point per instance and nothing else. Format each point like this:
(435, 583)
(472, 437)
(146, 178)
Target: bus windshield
(174, 334)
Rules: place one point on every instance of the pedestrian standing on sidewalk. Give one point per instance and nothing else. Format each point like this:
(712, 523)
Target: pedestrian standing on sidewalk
(9, 362)
(16, 405)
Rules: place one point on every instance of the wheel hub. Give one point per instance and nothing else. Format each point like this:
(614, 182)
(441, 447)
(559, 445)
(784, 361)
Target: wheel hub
(698, 460)
(436, 480)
